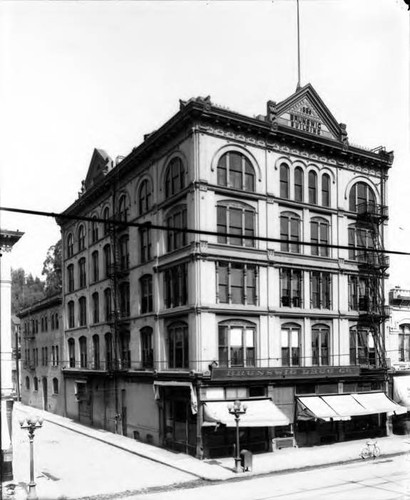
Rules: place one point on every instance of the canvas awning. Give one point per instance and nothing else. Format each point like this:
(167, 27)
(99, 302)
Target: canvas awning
(401, 390)
(345, 406)
(378, 402)
(313, 407)
(259, 413)
(177, 383)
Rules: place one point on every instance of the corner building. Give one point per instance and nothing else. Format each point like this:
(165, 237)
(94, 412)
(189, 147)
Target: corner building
(275, 297)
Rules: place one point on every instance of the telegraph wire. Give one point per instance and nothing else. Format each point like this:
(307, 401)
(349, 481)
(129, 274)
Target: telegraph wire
(150, 225)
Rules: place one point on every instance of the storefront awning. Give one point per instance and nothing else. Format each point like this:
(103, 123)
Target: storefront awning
(313, 407)
(345, 406)
(401, 390)
(176, 383)
(378, 402)
(259, 413)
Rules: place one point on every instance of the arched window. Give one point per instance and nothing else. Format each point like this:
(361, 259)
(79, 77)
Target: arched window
(52, 322)
(313, 187)
(123, 208)
(320, 345)
(96, 307)
(56, 321)
(94, 229)
(96, 352)
(83, 351)
(299, 178)
(146, 294)
(404, 342)
(361, 243)
(81, 238)
(108, 351)
(124, 290)
(35, 384)
(70, 314)
(106, 217)
(174, 177)
(290, 335)
(284, 181)
(178, 355)
(361, 198)
(70, 245)
(107, 304)
(362, 350)
(71, 352)
(27, 383)
(147, 357)
(236, 344)
(290, 232)
(176, 219)
(326, 190)
(144, 197)
(236, 171)
(55, 385)
(42, 324)
(319, 234)
(238, 220)
(82, 314)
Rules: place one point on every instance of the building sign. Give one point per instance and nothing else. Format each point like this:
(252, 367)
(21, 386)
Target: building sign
(305, 122)
(294, 372)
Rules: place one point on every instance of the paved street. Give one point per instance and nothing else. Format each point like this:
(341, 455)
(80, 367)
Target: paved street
(383, 479)
(70, 465)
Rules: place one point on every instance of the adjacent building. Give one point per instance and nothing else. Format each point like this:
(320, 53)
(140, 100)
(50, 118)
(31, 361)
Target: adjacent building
(42, 346)
(230, 257)
(398, 350)
(7, 240)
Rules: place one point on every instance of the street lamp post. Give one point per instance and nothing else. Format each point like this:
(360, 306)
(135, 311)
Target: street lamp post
(31, 424)
(237, 409)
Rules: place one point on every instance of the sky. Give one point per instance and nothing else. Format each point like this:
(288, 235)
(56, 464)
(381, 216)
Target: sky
(79, 75)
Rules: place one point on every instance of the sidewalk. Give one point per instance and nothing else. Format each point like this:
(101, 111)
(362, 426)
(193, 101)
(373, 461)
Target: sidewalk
(222, 469)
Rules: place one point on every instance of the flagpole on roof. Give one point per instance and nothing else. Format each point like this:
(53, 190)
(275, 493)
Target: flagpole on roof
(298, 30)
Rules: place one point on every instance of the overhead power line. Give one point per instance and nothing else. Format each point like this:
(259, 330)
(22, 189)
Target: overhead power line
(122, 223)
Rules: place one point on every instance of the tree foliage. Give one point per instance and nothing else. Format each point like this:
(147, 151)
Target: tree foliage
(52, 269)
(25, 289)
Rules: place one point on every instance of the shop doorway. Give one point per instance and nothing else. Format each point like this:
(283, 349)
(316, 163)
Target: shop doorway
(179, 421)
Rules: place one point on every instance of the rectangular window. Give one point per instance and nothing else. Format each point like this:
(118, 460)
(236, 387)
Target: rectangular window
(175, 286)
(236, 283)
(291, 287)
(320, 290)
(145, 244)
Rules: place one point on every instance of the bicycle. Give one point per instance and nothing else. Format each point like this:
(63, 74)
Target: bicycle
(370, 450)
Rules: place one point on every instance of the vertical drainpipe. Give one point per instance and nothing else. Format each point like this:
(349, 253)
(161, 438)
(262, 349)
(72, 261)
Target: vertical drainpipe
(196, 263)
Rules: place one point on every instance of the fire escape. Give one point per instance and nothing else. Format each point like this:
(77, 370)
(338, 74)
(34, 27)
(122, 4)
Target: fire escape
(373, 264)
(118, 271)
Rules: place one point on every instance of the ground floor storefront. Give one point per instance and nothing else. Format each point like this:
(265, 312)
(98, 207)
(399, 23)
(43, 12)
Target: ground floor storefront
(192, 414)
